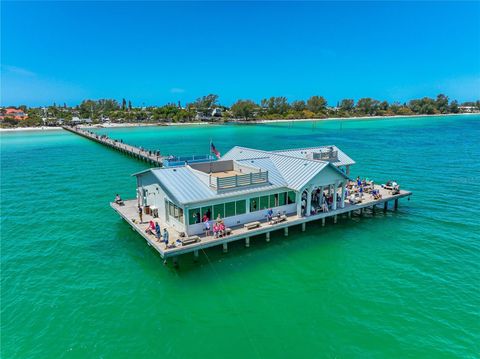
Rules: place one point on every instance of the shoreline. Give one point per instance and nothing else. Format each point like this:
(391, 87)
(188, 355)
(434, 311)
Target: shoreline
(349, 118)
(249, 122)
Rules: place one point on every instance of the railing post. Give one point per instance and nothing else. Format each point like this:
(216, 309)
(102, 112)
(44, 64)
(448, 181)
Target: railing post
(236, 180)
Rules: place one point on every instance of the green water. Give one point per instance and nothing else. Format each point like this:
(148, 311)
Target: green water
(77, 282)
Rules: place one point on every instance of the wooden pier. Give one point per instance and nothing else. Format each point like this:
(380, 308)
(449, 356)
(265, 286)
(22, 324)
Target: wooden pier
(129, 212)
(144, 155)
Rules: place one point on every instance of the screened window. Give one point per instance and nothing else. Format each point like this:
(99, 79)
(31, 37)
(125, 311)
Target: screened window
(282, 198)
(273, 200)
(175, 211)
(254, 204)
(291, 197)
(194, 216)
(219, 209)
(241, 207)
(263, 202)
(207, 211)
(230, 209)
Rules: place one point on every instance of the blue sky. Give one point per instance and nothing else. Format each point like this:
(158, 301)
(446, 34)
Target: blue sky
(158, 52)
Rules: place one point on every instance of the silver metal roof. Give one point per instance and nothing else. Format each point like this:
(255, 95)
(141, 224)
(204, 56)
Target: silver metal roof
(184, 185)
(295, 171)
(343, 158)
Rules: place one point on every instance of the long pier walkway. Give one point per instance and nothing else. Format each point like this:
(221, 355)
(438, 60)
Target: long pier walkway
(150, 157)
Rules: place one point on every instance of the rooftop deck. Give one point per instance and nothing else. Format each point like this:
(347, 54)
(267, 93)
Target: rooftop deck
(129, 213)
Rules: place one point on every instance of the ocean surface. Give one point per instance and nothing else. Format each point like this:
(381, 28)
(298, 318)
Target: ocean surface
(77, 282)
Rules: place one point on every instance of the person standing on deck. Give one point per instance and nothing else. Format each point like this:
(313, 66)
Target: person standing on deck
(140, 213)
(165, 237)
(270, 215)
(158, 233)
(206, 226)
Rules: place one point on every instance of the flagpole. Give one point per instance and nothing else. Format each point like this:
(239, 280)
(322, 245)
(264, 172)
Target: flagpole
(210, 155)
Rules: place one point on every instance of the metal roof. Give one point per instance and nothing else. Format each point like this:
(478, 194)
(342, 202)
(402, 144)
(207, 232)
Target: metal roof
(343, 158)
(184, 185)
(295, 171)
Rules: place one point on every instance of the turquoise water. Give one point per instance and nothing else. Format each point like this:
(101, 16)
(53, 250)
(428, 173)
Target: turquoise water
(77, 282)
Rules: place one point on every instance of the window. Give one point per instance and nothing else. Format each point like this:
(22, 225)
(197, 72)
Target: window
(263, 202)
(175, 211)
(273, 200)
(219, 209)
(208, 211)
(291, 197)
(282, 198)
(230, 209)
(241, 207)
(194, 216)
(254, 204)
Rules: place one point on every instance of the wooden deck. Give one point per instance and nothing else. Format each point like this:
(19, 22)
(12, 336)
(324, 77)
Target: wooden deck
(133, 151)
(129, 213)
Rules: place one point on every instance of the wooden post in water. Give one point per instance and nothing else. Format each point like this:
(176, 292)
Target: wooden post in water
(323, 222)
(195, 255)
(335, 219)
(285, 231)
(267, 237)
(247, 242)
(225, 247)
(385, 206)
(304, 226)
(396, 204)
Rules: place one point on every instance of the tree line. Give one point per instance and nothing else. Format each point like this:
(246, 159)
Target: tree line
(208, 108)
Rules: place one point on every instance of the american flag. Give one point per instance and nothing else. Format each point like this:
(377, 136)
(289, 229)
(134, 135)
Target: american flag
(214, 150)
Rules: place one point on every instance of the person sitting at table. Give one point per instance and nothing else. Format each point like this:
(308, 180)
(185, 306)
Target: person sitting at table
(351, 199)
(151, 228)
(215, 230)
(221, 229)
(324, 206)
(118, 200)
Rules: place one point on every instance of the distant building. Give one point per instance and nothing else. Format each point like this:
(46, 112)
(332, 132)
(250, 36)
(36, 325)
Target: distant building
(12, 112)
(217, 112)
(78, 121)
(468, 109)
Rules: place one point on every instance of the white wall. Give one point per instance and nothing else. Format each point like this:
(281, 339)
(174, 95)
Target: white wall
(244, 218)
(156, 197)
(325, 177)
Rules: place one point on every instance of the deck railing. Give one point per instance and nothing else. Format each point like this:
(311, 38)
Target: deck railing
(239, 180)
(180, 160)
(326, 156)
